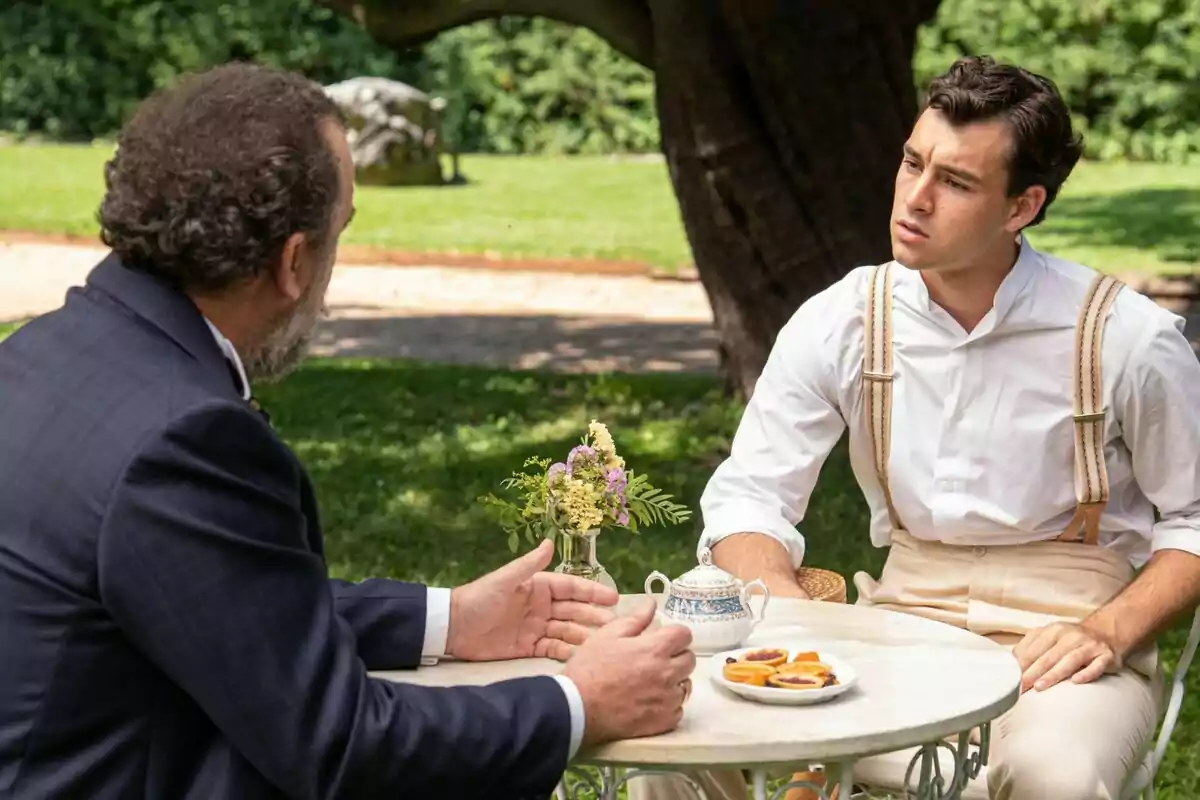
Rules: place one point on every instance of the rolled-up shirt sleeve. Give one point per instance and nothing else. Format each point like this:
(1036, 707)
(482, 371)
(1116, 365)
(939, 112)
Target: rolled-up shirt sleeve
(1159, 403)
(790, 425)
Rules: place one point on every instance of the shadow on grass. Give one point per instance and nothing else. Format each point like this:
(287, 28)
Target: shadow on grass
(1164, 221)
(400, 452)
(555, 343)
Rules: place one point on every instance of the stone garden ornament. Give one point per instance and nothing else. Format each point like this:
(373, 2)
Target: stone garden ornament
(394, 132)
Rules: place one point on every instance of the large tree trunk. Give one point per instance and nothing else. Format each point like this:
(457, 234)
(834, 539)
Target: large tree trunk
(782, 124)
(783, 132)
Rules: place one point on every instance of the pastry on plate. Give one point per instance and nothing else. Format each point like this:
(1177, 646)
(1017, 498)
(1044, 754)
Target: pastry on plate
(771, 656)
(753, 674)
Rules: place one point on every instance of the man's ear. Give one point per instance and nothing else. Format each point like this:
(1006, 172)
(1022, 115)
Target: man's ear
(289, 275)
(1025, 207)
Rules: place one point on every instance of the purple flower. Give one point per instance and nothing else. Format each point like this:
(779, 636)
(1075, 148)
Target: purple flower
(556, 471)
(578, 452)
(617, 481)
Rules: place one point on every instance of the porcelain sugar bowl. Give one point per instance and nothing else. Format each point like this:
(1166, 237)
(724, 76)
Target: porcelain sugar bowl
(712, 603)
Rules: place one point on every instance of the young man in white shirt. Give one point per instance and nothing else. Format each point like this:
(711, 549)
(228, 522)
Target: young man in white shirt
(1014, 422)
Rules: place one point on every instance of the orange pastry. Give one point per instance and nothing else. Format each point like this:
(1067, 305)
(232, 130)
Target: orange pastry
(808, 655)
(806, 668)
(791, 680)
(753, 674)
(772, 656)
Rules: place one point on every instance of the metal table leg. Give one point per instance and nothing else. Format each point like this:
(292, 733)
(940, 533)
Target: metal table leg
(845, 773)
(932, 784)
(610, 783)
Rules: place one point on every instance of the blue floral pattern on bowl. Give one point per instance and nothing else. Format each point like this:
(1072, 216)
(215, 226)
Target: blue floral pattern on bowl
(720, 607)
(712, 603)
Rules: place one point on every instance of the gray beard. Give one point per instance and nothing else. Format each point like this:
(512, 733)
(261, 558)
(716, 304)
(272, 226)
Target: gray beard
(283, 351)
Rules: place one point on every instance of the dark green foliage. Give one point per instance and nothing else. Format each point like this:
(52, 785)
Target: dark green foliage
(535, 86)
(1129, 68)
(74, 68)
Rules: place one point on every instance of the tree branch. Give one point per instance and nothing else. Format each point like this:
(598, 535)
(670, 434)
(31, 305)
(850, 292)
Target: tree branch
(625, 24)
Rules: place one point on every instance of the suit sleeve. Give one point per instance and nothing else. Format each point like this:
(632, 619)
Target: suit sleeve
(203, 564)
(389, 619)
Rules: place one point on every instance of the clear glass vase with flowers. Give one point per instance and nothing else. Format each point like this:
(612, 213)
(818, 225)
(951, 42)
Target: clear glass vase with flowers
(572, 501)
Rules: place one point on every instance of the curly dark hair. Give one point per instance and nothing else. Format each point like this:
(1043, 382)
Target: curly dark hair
(211, 176)
(1045, 148)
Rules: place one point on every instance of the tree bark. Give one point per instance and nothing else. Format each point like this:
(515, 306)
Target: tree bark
(782, 125)
(624, 24)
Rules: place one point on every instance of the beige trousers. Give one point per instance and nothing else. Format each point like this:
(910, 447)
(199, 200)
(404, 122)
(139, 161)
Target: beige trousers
(1078, 741)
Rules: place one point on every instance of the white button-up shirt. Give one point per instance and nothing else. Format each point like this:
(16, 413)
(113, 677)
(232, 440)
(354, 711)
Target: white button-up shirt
(982, 447)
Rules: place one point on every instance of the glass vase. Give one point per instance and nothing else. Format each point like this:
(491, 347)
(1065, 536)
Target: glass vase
(578, 553)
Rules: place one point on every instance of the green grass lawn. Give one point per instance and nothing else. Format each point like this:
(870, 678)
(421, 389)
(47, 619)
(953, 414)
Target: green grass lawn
(400, 452)
(593, 208)
(1116, 217)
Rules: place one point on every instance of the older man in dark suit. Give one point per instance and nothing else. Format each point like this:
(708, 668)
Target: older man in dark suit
(168, 627)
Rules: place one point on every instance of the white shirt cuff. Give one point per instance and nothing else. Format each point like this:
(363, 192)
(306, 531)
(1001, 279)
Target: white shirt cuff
(720, 524)
(575, 702)
(437, 624)
(1177, 533)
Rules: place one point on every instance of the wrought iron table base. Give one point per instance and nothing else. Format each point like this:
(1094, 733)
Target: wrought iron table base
(931, 784)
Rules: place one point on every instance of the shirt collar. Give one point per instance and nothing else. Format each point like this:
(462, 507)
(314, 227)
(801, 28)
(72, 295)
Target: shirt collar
(1014, 283)
(231, 353)
(1028, 262)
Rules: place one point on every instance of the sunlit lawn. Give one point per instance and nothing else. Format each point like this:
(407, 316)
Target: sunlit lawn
(1116, 217)
(401, 451)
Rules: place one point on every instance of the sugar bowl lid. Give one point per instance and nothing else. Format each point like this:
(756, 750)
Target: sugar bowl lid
(706, 576)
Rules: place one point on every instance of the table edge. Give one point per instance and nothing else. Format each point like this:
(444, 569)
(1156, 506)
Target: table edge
(617, 754)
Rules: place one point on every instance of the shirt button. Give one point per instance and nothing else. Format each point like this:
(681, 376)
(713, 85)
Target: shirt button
(980, 552)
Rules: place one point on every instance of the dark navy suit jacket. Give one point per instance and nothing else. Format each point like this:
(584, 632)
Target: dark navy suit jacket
(167, 625)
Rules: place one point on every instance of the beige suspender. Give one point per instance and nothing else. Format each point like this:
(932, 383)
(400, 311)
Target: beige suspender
(877, 377)
(1091, 475)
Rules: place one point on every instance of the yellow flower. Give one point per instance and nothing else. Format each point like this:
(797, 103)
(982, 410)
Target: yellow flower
(602, 440)
(581, 505)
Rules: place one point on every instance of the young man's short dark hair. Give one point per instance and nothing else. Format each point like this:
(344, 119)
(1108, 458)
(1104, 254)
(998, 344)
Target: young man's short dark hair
(212, 175)
(1045, 147)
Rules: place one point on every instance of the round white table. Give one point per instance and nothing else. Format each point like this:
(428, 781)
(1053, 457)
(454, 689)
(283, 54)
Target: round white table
(920, 684)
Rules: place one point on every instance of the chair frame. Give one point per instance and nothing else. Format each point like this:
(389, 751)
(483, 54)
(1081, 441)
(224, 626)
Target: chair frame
(1141, 781)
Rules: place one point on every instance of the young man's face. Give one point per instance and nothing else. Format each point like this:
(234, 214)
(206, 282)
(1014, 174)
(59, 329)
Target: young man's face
(951, 206)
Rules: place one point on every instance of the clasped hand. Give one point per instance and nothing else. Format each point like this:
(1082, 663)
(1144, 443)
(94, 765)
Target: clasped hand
(1063, 650)
(633, 680)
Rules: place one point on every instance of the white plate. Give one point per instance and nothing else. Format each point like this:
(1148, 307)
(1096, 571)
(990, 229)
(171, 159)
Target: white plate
(785, 697)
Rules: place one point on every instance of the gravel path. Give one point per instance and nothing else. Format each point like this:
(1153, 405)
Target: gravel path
(498, 317)
(566, 322)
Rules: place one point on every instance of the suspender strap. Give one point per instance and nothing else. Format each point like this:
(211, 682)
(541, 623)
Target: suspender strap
(877, 376)
(1091, 474)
